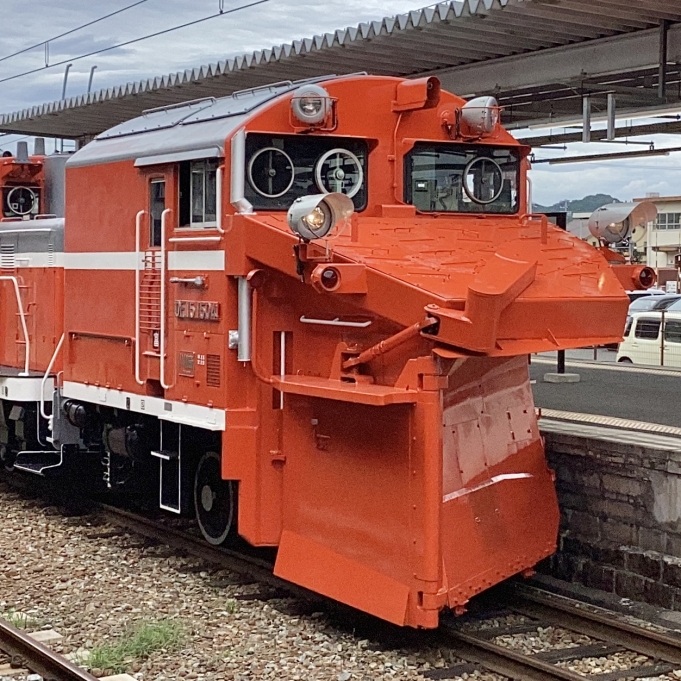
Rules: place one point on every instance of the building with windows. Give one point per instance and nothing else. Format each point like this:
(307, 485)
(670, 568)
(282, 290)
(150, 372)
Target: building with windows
(579, 227)
(664, 235)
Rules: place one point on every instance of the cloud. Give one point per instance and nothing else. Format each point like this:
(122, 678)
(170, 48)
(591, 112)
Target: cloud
(263, 26)
(623, 179)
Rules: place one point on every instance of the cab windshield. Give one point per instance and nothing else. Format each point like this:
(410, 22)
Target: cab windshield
(460, 178)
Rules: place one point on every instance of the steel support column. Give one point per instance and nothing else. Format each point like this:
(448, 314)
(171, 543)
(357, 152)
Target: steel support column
(662, 68)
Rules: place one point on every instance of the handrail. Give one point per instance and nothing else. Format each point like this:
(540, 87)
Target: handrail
(23, 322)
(30, 230)
(162, 348)
(335, 322)
(138, 286)
(185, 239)
(179, 105)
(218, 199)
(43, 413)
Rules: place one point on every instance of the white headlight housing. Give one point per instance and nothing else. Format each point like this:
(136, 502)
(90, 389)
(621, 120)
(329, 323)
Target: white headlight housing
(313, 217)
(616, 222)
(481, 115)
(311, 104)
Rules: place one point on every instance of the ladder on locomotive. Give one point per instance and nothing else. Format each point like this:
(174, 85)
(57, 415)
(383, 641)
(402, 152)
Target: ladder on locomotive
(150, 296)
(8, 268)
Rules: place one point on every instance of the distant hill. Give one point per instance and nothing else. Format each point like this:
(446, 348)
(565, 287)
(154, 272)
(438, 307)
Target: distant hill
(586, 205)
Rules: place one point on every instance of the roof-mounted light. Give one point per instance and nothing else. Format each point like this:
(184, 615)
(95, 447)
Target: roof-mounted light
(616, 222)
(311, 104)
(313, 217)
(480, 116)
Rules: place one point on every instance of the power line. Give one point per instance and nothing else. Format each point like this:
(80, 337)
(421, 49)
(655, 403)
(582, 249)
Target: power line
(135, 40)
(73, 30)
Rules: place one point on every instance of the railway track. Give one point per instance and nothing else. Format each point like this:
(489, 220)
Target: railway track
(27, 653)
(469, 638)
(609, 634)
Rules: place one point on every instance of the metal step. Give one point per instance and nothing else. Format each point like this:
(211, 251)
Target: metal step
(38, 462)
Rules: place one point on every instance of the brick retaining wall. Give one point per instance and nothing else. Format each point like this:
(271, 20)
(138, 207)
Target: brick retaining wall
(620, 518)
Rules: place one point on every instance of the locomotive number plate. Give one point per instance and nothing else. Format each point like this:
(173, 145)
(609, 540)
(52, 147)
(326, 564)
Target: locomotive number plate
(186, 364)
(190, 309)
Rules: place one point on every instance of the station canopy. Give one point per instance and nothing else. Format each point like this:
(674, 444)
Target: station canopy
(540, 58)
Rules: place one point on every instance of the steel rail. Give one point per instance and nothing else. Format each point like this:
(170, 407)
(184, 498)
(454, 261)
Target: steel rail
(241, 563)
(504, 661)
(586, 619)
(613, 634)
(38, 657)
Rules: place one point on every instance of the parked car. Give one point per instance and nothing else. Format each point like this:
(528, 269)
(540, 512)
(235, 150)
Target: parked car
(654, 302)
(635, 295)
(648, 341)
(675, 306)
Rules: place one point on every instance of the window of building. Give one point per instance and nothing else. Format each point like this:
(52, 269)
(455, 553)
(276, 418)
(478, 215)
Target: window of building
(668, 221)
(198, 193)
(647, 328)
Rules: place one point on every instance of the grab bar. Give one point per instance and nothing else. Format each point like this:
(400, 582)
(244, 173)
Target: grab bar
(22, 316)
(162, 349)
(335, 322)
(138, 229)
(44, 414)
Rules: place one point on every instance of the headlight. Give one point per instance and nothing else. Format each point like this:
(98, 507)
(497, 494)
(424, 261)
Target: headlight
(313, 217)
(481, 115)
(311, 104)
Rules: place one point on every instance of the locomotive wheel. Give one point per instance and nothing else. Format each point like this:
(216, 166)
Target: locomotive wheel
(214, 500)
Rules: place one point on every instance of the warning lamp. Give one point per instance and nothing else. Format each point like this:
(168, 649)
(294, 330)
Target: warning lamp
(644, 277)
(330, 279)
(313, 217)
(311, 104)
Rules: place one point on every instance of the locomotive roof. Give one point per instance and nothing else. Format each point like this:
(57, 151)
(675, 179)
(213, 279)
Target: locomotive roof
(189, 130)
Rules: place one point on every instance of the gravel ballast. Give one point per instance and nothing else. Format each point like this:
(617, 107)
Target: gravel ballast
(91, 581)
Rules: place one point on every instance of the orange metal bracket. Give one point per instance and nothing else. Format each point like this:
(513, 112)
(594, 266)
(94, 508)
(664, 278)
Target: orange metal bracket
(495, 287)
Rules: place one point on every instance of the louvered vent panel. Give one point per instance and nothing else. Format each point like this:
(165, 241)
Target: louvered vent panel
(50, 255)
(7, 261)
(213, 370)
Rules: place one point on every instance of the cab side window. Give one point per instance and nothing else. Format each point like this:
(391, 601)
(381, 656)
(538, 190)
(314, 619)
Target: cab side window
(198, 193)
(157, 204)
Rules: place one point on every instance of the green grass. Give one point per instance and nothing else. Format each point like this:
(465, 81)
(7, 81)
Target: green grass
(20, 620)
(139, 642)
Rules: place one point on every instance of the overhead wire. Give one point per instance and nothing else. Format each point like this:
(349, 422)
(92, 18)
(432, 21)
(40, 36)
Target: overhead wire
(73, 30)
(135, 40)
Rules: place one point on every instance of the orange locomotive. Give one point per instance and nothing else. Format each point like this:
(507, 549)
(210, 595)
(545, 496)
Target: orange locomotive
(31, 291)
(303, 312)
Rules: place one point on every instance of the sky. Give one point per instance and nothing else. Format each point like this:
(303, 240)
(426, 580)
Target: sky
(254, 28)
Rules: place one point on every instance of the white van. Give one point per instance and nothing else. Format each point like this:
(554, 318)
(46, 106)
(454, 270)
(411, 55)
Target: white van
(648, 341)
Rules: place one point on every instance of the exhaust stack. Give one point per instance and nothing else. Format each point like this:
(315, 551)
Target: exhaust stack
(22, 152)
